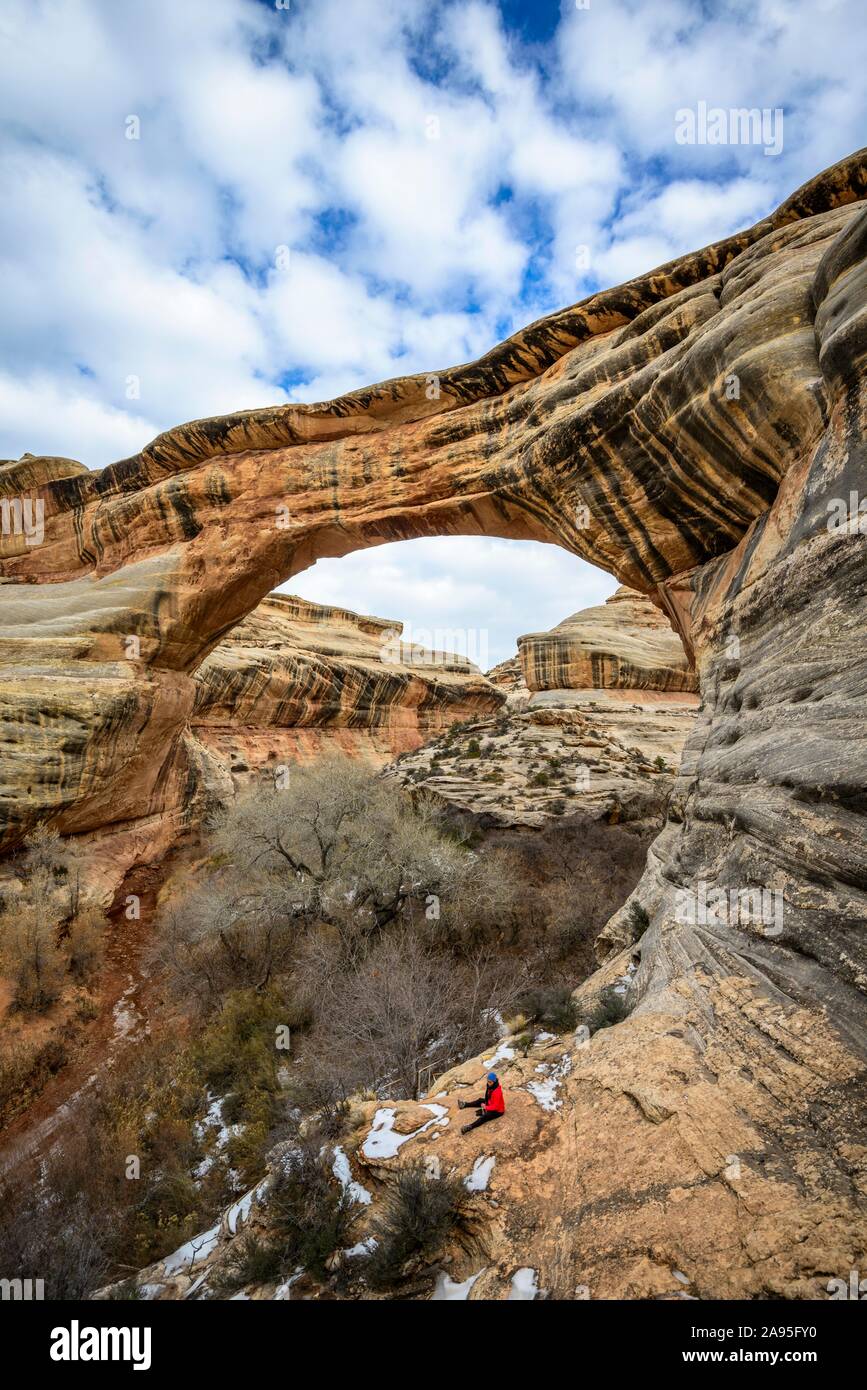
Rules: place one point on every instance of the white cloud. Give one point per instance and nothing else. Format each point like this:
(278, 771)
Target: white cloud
(641, 62)
(44, 416)
(487, 590)
(309, 128)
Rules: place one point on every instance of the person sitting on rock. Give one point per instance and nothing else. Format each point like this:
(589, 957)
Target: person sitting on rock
(490, 1106)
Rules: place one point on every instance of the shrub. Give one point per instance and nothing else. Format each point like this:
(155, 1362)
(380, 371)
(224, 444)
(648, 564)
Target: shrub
(86, 1009)
(24, 1070)
(568, 936)
(609, 1008)
(58, 1238)
(553, 1007)
(317, 1089)
(236, 1052)
(47, 895)
(524, 1043)
(420, 1213)
(637, 920)
(539, 779)
(250, 1261)
(85, 943)
(167, 1215)
(31, 956)
(473, 749)
(311, 1214)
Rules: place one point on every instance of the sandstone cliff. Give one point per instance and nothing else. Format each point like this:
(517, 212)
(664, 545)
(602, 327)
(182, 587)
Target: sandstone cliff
(597, 714)
(624, 643)
(699, 432)
(296, 677)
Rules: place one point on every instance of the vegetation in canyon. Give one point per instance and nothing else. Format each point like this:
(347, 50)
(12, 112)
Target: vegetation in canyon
(345, 937)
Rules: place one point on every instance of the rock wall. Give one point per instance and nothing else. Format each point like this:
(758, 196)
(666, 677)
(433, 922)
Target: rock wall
(700, 433)
(597, 714)
(295, 678)
(623, 644)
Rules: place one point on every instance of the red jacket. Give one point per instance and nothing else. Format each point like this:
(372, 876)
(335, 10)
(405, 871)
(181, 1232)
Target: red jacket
(494, 1102)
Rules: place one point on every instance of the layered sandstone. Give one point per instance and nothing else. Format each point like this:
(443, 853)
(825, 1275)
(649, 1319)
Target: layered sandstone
(597, 714)
(699, 432)
(295, 678)
(623, 644)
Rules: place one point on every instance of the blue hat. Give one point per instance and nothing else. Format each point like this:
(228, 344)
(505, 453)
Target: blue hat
(492, 1076)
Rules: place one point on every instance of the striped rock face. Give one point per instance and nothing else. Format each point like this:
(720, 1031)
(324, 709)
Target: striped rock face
(699, 432)
(296, 678)
(623, 644)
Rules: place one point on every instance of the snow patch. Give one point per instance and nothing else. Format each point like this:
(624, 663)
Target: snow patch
(524, 1286)
(447, 1290)
(622, 983)
(478, 1179)
(282, 1291)
(240, 1211)
(191, 1254)
(504, 1053)
(545, 1092)
(364, 1247)
(150, 1291)
(383, 1142)
(343, 1174)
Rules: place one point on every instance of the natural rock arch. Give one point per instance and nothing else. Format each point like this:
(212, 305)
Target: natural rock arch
(622, 405)
(646, 429)
(710, 417)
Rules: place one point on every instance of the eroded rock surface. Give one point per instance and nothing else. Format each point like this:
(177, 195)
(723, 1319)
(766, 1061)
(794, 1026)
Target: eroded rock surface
(698, 432)
(296, 678)
(623, 644)
(602, 745)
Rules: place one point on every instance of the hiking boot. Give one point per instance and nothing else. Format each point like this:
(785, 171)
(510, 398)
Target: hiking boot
(466, 1128)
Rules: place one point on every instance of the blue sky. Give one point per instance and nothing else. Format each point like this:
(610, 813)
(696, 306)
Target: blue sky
(345, 190)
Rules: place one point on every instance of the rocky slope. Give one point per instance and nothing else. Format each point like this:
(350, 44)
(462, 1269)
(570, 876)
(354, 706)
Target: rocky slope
(602, 744)
(699, 432)
(623, 1168)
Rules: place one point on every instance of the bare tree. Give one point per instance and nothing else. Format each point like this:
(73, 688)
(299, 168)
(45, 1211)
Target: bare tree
(84, 942)
(29, 946)
(351, 848)
(405, 1006)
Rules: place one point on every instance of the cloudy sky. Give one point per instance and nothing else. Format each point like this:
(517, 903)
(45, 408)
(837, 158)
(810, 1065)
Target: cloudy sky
(324, 193)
